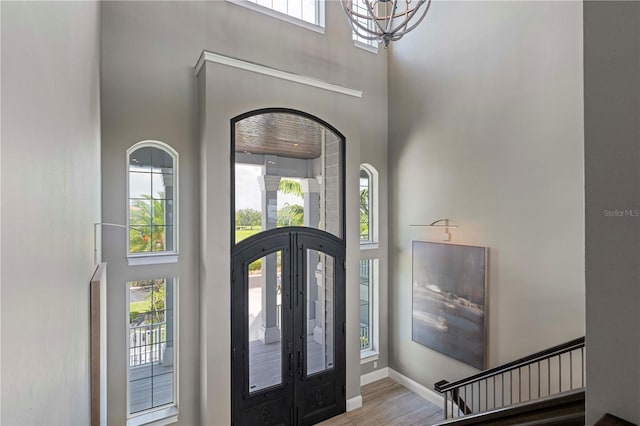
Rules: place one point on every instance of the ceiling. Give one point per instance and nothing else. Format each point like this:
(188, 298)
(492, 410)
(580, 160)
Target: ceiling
(281, 134)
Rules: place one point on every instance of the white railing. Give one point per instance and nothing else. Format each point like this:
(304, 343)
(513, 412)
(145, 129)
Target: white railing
(365, 342)
(146, 343)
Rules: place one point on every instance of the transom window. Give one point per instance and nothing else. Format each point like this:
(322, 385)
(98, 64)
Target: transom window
(360, 7)
(306, 13)
(152, 213)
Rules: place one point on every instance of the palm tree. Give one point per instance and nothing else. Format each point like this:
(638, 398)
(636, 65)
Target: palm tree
(290, 214)
(289, 186)
(364, 214)
(147, 225)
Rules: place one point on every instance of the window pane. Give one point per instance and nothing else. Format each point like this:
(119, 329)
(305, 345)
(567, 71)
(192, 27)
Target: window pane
(139, 185)
(139, 239)
(365, 304)
(265, 322)
(280, 6)
(162, 186)
(151, 344)
(295, 8)
(162, 238)
(139, 212)
(288, 172)
(365, 206)
(162, 161)
(305, 10)
(139, 397)
(163, 388)
(140, 159)
(320, 322)
(162, 212)
(309, 10)
(151, 200)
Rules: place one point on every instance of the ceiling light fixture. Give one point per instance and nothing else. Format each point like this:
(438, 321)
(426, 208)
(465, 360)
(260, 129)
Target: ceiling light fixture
(384, 20)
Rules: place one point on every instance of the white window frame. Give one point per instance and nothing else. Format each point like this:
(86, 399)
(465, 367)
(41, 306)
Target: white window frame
(317, 27)
(372, 242)
(150, 258)
(167, 413)
(369, 252)
(368, 45)
(372, 353)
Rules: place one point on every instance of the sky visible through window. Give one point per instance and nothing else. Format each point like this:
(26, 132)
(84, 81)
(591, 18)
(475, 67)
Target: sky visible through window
(248, 190)
(305, 10)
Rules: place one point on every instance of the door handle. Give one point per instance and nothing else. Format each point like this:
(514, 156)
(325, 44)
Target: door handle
(300, 363)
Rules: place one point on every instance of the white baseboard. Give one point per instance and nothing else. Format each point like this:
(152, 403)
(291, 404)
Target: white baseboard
(354, 403)
(374, 376)
(417, 388)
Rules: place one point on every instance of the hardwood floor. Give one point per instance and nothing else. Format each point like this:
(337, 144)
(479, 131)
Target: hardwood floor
(386, 402)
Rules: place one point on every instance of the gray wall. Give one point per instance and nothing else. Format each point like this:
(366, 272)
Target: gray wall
(150, 92)
(612, 163)
(486, 129)
(50, 201)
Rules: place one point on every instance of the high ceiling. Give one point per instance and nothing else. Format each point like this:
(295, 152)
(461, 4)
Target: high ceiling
(281, 134)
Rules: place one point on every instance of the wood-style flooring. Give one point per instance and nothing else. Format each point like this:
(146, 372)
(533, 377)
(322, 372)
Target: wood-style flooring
(386, 402)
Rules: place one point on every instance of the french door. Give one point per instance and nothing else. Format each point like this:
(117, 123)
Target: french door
(288, 327)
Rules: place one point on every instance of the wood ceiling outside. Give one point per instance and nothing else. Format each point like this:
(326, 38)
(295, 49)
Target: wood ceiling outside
(281, 134)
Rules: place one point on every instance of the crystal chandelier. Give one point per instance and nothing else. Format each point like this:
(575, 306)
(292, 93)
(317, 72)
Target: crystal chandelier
(384, 20)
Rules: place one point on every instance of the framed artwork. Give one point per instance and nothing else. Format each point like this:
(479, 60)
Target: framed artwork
(449, 310)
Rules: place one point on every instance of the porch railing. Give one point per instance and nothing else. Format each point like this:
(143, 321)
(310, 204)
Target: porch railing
(364, 336)
(146, 343)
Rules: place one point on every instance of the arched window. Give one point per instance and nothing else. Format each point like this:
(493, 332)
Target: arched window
(368, 264)
(368, 202)
(152, 182)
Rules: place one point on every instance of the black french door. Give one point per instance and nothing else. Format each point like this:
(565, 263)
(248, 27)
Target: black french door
(288, 328)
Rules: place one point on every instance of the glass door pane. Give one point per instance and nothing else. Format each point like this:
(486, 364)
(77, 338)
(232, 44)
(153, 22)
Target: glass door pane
(320, 311)
(265, 322)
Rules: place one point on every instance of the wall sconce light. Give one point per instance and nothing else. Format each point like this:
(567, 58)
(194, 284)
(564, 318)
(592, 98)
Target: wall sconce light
(437, 224)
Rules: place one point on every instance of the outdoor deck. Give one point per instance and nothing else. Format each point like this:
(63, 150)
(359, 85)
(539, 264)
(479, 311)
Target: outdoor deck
(265, 363)
(151, 384)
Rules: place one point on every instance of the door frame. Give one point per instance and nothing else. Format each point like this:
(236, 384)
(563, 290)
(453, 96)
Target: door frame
(311, 231)
(308, 398)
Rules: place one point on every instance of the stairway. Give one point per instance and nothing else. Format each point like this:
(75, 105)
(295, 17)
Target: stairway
(544, 388)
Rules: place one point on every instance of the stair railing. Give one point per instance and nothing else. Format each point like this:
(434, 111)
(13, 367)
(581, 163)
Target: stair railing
(540, 375)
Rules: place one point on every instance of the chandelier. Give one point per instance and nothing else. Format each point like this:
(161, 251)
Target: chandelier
(384, 20)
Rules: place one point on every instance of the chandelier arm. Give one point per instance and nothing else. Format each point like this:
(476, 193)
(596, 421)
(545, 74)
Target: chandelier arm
(363, 31)
(392, 16)
(350, 12)
(356, 25)
(366, 35)
(373, 16)
(424, 13)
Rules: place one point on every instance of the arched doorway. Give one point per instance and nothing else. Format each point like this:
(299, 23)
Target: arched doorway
(288, 278)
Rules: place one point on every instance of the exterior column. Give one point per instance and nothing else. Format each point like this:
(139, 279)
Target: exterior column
(311, 195)
(167, 356)
(269, 331)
